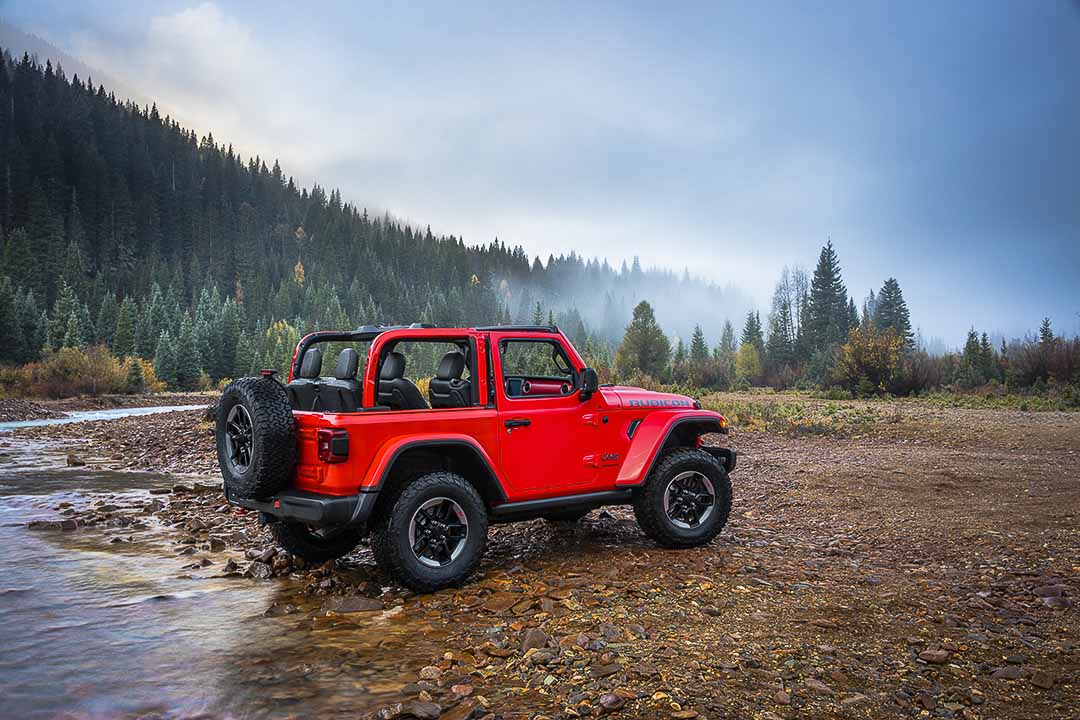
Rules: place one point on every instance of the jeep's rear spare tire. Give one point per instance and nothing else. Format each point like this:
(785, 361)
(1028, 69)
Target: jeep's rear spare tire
(256, 438)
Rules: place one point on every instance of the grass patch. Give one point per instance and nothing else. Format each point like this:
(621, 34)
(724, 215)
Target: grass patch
(794, 417)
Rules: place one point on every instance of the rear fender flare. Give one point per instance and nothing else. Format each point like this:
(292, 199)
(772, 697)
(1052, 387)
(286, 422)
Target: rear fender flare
(657, 431)
(489, 484)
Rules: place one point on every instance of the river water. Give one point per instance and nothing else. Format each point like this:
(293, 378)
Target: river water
(97, 628)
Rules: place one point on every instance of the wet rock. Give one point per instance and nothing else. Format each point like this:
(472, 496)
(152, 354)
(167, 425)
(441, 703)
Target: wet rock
(74, 460)
(281, 563)
(352, 604)
(259, 571)
(1057, 603)
(65, 525)
(610, 702)
(465, 710)
(418, 709)
(266, 555)
(1042, 679)
(277, 610)
(534, 638)
(602, 671)
(819, 687)
(935, 657)
(852, 700)
(1009, 672)
(685, 714)
(462, 690)
(216, 544)
(430, 672)
(1049, 591)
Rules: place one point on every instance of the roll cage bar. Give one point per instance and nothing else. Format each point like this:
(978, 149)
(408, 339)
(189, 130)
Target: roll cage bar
(367, 333)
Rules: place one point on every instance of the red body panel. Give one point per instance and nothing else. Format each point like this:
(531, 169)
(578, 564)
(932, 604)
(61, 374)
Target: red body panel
(569, 445)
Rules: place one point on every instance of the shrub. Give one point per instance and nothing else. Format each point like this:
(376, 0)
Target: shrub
(74, 371)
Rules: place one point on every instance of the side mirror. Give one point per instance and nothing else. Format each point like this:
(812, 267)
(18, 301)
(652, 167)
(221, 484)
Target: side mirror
(590, 382)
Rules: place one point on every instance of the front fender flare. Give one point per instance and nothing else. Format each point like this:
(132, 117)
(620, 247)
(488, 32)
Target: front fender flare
(654, 433)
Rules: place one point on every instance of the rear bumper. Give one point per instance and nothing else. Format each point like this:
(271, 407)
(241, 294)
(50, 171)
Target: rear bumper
(313, 508)
(726, 456)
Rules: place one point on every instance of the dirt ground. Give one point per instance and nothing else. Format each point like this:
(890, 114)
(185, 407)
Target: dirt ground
(918, 561)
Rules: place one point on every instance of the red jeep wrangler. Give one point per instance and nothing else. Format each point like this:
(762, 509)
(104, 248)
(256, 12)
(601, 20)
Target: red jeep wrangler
(512, 426)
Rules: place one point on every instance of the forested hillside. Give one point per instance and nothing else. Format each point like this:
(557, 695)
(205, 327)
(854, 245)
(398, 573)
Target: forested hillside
(119, 227)
(136, 255)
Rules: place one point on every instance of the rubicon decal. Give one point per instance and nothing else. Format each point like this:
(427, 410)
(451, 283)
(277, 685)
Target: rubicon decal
(660, 403)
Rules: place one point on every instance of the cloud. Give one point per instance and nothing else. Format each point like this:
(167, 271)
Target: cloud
(729, 140)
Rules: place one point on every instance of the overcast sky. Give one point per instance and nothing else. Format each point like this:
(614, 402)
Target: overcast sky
(935, 142)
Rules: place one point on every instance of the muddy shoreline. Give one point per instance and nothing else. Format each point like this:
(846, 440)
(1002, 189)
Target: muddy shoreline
(924, 568)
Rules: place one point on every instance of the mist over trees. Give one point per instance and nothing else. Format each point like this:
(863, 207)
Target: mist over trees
(136, 255)
(119, 227)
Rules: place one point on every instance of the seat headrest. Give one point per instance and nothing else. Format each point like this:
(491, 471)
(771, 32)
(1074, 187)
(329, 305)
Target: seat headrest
(312, 364)
(347, 363)
(451, 366)
(393, 367)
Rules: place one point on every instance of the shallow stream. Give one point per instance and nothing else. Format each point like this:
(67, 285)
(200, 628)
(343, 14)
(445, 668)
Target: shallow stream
(107, 622)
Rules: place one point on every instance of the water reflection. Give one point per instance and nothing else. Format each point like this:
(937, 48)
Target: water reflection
(106, 629)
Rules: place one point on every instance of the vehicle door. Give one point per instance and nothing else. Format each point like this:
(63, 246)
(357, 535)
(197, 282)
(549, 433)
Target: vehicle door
(541, 416)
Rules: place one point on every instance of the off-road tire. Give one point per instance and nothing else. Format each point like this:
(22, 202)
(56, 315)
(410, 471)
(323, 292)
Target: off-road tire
(649, 500)
(273, 438)
(566, 516)
(302, 541)
(390, 532)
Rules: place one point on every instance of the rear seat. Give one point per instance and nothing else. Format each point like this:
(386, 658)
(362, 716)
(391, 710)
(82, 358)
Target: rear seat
(342, 394)
(303, 391)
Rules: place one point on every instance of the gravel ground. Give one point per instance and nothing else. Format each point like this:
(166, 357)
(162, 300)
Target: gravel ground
(921, 563)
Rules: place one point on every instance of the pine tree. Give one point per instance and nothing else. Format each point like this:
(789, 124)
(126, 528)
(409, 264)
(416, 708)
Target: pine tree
(188, 362)
(11, 339)
(65, 319)
(136, 381)
(679, 365)
(827, 312)
(105, 327)
(699, 349)
(727, 339)
(780, 347)
(165, 360)
(1046, 332)
(752, 333)
(73, 332)
(645, 347)
(123, 343)
(891, 312)
(245, 356)
(33, 330)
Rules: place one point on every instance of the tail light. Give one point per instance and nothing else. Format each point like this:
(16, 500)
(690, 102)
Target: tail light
(333, 445)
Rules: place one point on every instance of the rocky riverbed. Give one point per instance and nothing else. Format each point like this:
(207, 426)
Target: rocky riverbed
(924, 566)
(18, 409)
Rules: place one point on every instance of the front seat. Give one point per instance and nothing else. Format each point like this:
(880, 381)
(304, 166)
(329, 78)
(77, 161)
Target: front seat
(447, 389)
(395, 391)
(342, 394)
(303, 391)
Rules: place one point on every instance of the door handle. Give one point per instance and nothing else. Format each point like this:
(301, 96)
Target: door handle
(517, 423)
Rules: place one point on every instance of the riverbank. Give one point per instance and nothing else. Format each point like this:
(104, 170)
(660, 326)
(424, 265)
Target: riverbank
(920, 565)
(18, 409)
